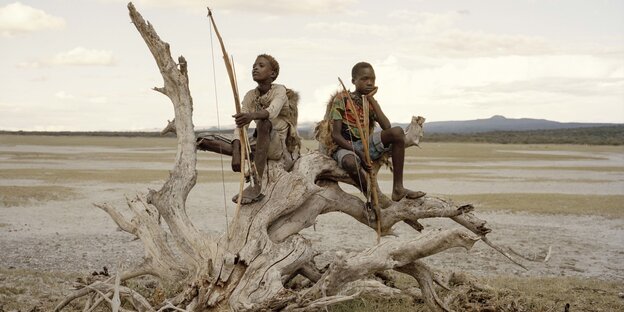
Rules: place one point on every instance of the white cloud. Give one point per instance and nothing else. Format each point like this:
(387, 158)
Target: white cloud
(456, 42)
(263, 6)
(16, 18)
(350, 28)
(83, 56)
(6, 108)
(426, 20)
(434, 34)
(29, 64)
(64, 95)
(618, 72)
(559, 87)
(98, 100)
(75, 57)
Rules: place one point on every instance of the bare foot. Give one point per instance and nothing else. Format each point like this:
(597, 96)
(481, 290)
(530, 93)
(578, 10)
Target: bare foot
(251, 194)
(398, 194)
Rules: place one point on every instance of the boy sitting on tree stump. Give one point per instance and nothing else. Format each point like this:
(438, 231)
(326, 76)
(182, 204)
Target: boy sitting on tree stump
(343, 140)
(274, 110)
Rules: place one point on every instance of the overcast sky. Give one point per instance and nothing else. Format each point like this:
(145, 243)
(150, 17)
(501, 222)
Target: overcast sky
(81, 65)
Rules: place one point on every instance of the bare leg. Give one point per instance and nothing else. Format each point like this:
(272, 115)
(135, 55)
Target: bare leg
(357, 173)
(217, 146)
(253, 192)
(396, 137)
(349, 164)
(263, 129)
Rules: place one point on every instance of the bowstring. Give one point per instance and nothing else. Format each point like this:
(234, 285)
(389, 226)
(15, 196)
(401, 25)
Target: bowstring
(357, 165)
(214, 78)
(253, 172)
(366, 129)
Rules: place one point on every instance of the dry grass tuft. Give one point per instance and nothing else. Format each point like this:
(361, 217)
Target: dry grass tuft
(510, 294)
(11, 196)
(24, 290)
(28, 290)
(564, 204)
(122, 142)
(108, 176)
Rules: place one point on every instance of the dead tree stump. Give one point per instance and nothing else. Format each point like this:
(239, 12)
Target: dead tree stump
(248, 268)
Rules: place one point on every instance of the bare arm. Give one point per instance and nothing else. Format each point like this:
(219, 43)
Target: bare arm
(383, 121)
(337, 135)
(278, 101)
(236, 156)
(244, 119)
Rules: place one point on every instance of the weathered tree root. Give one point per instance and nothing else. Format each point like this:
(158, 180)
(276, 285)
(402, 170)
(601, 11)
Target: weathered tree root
(248, 270)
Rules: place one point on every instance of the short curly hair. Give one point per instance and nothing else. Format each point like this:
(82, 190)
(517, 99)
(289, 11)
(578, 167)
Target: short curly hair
(273, 62)
(359, 66)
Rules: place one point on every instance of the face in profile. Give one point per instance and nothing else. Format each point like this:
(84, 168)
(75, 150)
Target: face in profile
(262, 70)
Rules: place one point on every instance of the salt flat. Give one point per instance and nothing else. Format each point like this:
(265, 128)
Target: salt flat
(68, 234)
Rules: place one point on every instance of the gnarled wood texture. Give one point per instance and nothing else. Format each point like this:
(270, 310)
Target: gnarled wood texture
(248, 269)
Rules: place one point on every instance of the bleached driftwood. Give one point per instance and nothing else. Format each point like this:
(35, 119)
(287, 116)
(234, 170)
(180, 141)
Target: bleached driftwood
(248, 270)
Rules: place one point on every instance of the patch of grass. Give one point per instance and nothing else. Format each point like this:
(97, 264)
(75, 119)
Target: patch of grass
(385, 175)
(167, 158)
(513, 294)
(11, 196)
(68, 175)
(485, 152)
(109, 176)
(23, 290)
(565, 204)
(602, 135)
(153, 289)
(414, 165)
(376, 305)
(476, 176)
(20, 157)
(60, 140)
(479, 175)
(552, 293)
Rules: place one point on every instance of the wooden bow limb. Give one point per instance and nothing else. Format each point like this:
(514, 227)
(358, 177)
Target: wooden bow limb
(250, 164)
(237, 105)
(373, 174)
(371, 177)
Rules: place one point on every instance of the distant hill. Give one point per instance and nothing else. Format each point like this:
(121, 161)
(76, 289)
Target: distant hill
(607, 135)
(500, 123)
(496, 129)
(494, 123)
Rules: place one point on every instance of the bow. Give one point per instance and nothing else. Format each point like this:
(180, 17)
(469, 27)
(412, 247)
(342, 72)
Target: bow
(371, 177)
(237, 105)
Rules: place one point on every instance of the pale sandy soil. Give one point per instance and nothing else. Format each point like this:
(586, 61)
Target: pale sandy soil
(73, 236)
